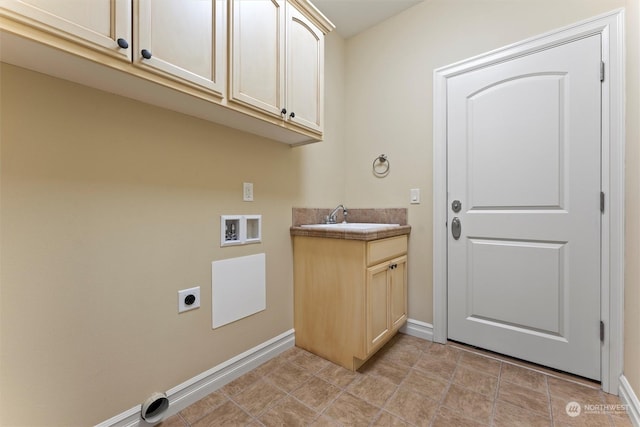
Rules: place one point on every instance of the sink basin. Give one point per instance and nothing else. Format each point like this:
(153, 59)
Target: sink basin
(362, 226)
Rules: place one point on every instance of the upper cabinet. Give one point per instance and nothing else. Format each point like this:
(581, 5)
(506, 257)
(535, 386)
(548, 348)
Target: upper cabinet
(255, 65)
(102, 24)
(184, 40)
(277, 62)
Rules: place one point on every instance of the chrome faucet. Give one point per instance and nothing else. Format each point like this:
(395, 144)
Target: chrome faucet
(331, 218)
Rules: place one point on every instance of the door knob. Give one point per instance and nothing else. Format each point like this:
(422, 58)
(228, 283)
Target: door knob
(456, 228)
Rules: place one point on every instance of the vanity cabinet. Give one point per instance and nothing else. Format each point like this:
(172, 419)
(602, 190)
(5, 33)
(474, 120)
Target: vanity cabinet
(350, 296)
(277, 62)
(241, 63)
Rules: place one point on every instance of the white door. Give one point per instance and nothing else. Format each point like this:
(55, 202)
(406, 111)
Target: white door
(523, 141)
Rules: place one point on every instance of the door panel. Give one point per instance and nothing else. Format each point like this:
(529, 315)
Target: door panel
(524, 160)
(377, 305)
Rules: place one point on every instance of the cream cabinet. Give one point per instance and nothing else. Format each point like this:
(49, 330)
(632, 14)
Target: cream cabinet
(350, 296)
(104, 25)
(184, 40)
(241, 63)
(277, 62)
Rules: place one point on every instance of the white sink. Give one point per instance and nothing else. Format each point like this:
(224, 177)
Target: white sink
(362, 226)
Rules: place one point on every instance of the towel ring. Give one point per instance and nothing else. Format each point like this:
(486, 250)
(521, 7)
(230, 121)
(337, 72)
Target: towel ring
(381, 166)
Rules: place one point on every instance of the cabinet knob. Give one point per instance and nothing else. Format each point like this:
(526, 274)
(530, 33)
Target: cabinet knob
(283, 111)
(292, 115)
(123, 43)
(146, 54)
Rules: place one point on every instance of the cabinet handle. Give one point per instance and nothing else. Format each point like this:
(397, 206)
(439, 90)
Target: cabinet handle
(146, 54)
(292, 115)
(123, 43)
(393, 266)
(283, 111)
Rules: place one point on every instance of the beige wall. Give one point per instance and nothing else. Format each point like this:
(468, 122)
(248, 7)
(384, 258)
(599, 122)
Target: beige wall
(632, 196)
(109, 207)
(389, 100)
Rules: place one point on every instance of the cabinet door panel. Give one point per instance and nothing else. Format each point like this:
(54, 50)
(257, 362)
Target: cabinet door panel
(377, 305)
(257, 54)
(186, 39)
(398, 292)
(99, 22)
(305, 70)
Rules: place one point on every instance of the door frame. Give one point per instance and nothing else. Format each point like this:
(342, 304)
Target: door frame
(611, 28)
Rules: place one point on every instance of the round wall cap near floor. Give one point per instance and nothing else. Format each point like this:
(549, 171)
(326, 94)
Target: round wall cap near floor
(154, 408)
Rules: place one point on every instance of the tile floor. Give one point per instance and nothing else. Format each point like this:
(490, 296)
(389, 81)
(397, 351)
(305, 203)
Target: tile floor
(410, 382)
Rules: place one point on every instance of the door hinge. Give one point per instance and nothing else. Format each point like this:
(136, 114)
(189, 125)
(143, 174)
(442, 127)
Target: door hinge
(602, 201)
(601, 331)
(601, 71)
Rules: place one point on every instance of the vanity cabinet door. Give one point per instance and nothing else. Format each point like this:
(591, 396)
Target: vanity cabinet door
(101, 24)
(398, 292)
(184, 40)
(377, 305)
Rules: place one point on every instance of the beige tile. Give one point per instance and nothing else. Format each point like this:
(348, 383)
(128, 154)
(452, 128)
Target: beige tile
(524, 377)
(269, 366)
(324, 421)
(480, 363)
(468, 404)
(419, 382)
(173, 421)
(288, 412)
(241, 383)
(621, 421)
(289, 376)
(443, 351)
(406, 354)
(349, 410)
(258, 396)
(446, 417)
(524, 398)
(412, 407)
(572, 391)
(477, 381)
(228, 414)
(436, 366)
(317, 393)
(418, 343)
(203, 406)
(309, 361)
(508, 415)
(374, 390)
(338, 375)
(388, 420)
(386, 369)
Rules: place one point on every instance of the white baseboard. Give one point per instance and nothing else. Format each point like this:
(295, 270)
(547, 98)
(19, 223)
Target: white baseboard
(207, 382)
(419, 329)
(628, 396)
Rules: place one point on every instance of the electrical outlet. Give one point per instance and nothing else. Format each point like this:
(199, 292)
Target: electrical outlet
(188, 299)
(247, 191)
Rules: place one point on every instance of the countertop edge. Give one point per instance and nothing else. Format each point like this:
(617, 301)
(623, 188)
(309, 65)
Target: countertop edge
(351, 234)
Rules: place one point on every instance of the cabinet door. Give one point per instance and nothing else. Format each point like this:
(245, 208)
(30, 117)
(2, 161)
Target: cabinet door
(305, 71)
(398, 292)
(186, 40)
(99, 23)
(257, 54)
(377, 305)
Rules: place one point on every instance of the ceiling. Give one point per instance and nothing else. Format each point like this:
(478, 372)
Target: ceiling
(353, 16)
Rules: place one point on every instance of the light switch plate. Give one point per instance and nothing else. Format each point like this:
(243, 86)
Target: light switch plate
(414, 196)
(247, 191)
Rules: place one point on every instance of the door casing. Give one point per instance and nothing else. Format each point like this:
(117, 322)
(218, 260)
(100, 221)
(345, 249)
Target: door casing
(611, 28)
